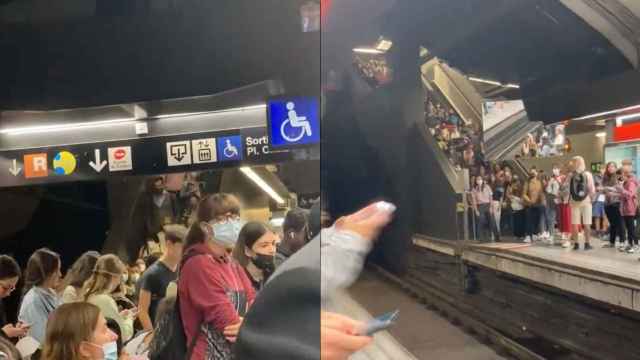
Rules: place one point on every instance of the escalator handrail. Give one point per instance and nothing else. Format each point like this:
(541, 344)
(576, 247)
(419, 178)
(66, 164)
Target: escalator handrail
(504, 124)
(519, 137)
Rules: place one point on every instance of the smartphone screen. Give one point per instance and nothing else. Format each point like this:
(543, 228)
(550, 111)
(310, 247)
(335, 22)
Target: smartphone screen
(380, 323)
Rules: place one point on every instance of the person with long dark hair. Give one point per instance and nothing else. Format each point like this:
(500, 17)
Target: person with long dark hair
(514, 194)
(41, 278)
(482, 196)
(80, 271)
(255, 252)
(610, 181)
(629, 205)
(9, 276)
(296, 234)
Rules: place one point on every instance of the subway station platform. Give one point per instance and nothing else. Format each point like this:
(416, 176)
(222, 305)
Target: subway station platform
(555, 302)
(602, 274)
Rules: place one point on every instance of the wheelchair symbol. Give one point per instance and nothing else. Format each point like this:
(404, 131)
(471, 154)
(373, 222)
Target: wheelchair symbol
(230, 151)
(296, 122)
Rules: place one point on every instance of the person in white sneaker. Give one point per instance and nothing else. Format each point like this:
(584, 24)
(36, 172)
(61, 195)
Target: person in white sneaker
(582, 190)
(533, 196)
(563, 209)
(629, 204)
(482, 196)
(612, 205)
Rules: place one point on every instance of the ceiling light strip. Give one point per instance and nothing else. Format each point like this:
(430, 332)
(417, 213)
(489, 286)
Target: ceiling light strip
(367, 51)
(261, 184)
(106, 123)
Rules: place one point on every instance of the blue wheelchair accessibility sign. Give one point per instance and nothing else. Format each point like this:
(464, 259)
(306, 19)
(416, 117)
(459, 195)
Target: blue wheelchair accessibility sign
(229, 148)
(294, 122)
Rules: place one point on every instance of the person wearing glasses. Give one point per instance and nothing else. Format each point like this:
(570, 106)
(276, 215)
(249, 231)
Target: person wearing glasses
(9, 276)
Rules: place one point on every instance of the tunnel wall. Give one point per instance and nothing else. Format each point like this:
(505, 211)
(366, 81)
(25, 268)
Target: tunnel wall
(372, 149)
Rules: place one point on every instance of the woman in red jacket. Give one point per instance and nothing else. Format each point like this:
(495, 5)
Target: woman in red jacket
(214, 294)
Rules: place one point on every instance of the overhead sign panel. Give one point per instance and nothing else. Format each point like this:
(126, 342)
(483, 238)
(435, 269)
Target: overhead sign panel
(144, 156)
(293, 122)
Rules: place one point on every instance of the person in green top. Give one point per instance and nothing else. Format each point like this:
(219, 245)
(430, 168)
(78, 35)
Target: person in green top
(98, 290)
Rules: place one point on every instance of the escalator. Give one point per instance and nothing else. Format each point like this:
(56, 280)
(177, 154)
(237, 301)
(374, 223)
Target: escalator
(501, 141)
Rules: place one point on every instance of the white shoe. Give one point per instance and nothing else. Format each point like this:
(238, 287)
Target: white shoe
(527, 239)
(566, 244)
(535, 237)
(546, 235)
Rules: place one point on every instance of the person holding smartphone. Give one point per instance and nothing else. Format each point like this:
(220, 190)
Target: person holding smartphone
(9, 276)
(99, 289)
(296, 292)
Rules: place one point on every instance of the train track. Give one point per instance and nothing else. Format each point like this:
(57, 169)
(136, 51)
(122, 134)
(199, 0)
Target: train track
(435, 300)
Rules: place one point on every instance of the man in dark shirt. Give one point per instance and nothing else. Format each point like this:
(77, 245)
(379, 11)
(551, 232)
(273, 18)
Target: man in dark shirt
(154, 281)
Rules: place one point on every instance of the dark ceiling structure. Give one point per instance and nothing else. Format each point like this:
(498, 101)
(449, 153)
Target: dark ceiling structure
(570, 58)
(90, 53)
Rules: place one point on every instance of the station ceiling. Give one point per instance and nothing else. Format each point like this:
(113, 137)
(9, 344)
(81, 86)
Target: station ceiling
(570, 58)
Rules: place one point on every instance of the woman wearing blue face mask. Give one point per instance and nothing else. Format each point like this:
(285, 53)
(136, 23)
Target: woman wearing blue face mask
(222, 212)
(78, 331)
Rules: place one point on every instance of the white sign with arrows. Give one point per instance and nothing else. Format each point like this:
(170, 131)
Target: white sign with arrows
(97, 165)
(15, 169)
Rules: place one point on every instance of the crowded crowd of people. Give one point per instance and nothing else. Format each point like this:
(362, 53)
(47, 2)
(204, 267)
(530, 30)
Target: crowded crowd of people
(201, 285)
(564, 206)
(373, 69)
(549, 140)
(459, 140)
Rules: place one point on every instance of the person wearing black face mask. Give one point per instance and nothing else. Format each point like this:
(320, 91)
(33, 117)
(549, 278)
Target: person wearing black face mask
(255, 251)
(296, 234)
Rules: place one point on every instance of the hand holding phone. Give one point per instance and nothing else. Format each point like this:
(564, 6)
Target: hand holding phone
(380, 323)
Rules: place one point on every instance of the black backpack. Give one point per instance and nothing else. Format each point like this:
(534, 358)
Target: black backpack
(169, 339)
(578, 187)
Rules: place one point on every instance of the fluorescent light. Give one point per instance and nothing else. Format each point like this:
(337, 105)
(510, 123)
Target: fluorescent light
(601, 134)
(262, 184)
(485, 81)
(384, 45)
(491, 82)
(66, 127)
(607, 112)
(367, 51)
(238, 109)
(622, 118)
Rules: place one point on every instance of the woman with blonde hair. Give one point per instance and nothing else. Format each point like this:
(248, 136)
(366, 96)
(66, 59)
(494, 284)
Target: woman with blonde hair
(99, 289)
(78, 331)
(80, 271)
